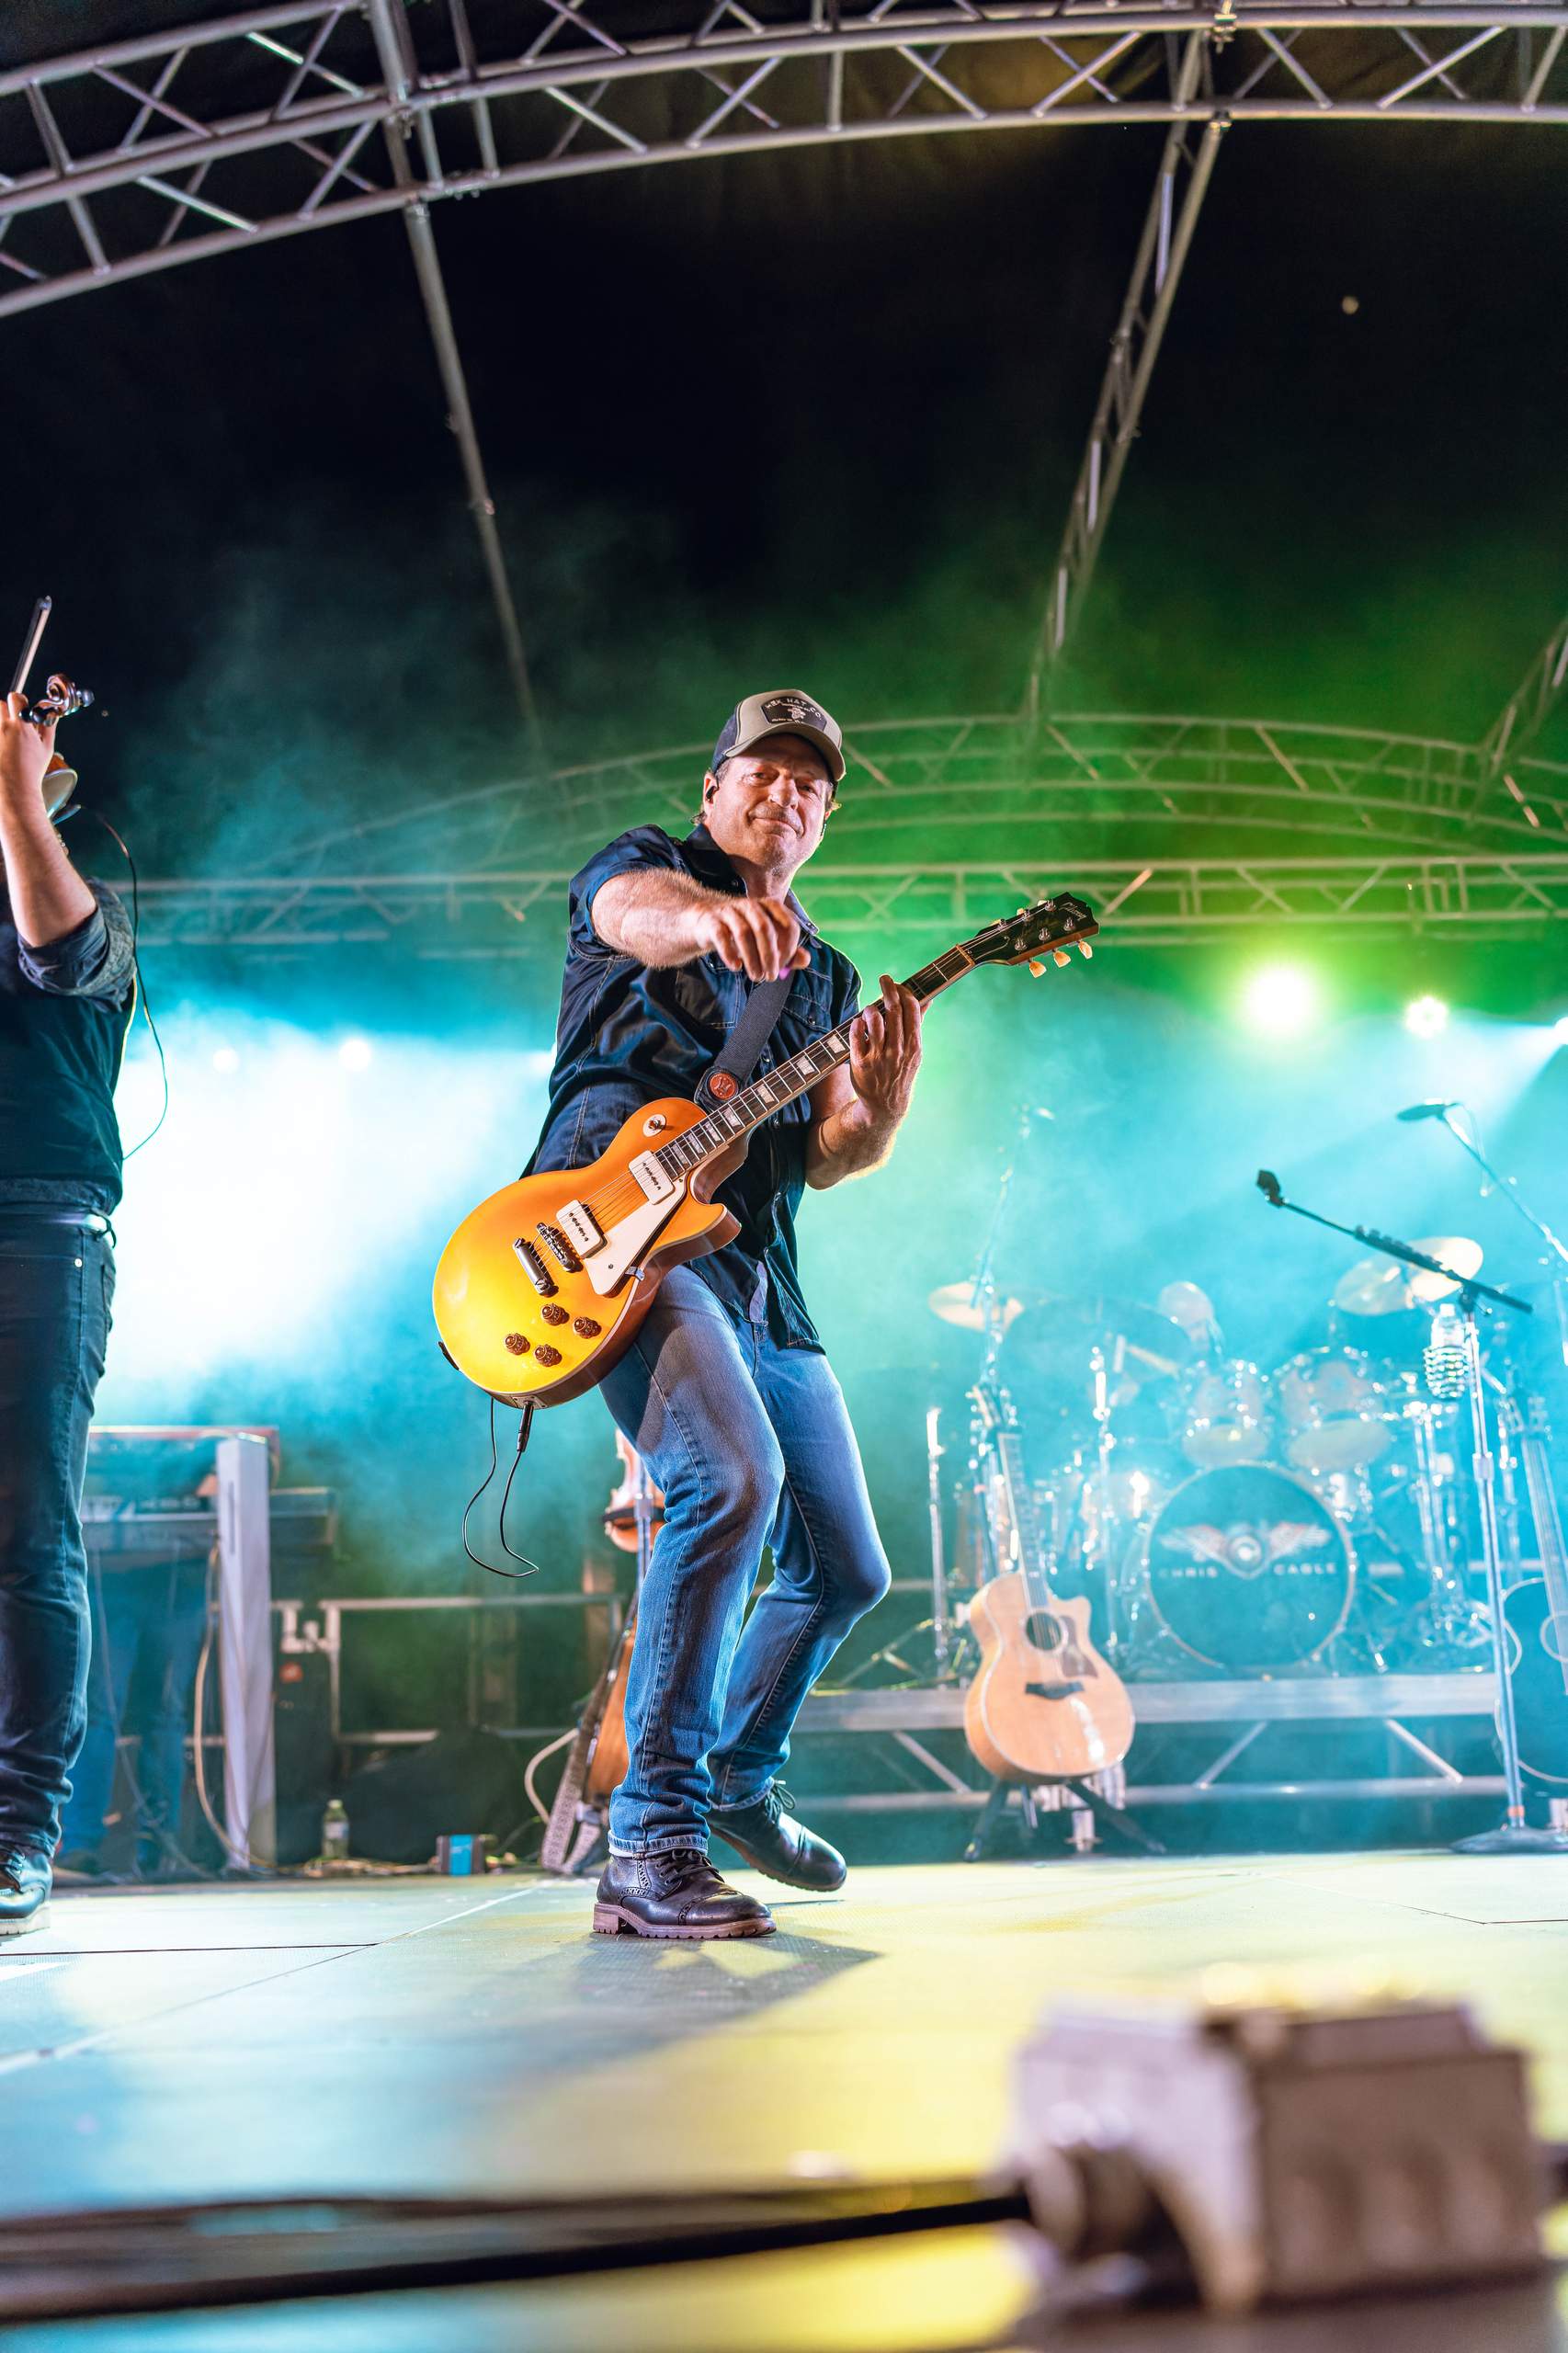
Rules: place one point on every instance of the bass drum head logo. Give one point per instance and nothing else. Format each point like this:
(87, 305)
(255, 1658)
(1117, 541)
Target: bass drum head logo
(779, 711)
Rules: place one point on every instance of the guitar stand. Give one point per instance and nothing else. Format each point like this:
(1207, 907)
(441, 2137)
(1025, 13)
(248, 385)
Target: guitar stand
(1088, 1807)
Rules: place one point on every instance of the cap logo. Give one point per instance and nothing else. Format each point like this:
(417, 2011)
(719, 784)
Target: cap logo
(779, 710)
(721, 1085)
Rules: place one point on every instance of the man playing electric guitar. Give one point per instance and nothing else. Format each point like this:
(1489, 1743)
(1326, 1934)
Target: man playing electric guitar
(726, 1391)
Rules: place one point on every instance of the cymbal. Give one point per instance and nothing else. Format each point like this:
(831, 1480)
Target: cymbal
(1058, 1333)
(955, 1303)
(1386, 1286)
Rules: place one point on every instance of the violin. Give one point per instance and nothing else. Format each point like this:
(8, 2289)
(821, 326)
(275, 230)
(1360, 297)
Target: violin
(61, 699)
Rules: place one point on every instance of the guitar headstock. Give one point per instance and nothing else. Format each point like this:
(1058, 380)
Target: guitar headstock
(1048, 928)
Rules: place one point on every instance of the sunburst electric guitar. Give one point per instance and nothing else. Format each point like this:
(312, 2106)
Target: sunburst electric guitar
(542, 1287)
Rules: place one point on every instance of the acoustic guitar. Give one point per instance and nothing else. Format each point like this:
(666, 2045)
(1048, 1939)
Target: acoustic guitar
(1536, 1613)
(599, 1757)
(542, 1287)
(1043, 1705)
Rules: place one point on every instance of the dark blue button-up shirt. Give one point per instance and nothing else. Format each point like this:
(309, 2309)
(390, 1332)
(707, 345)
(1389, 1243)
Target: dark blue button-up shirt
(630, 1033)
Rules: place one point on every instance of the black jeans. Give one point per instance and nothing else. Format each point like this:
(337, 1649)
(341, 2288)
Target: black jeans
(56, 1289)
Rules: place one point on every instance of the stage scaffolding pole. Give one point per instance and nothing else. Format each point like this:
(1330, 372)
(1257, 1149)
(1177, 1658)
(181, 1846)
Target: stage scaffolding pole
(1168, 226)
(401, 70)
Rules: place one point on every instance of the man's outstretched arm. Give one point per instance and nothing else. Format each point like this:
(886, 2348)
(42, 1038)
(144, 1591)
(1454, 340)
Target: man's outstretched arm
(663, 918)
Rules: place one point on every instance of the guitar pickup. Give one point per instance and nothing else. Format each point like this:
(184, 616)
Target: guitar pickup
(655, 1180)
(560, 1249)
(533, 1266)
(581, 1228)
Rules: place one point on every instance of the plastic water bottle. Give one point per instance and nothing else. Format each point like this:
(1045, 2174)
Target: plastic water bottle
(335, 1834)
(1444, 1357)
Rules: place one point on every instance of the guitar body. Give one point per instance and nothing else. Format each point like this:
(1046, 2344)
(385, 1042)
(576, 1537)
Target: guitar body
(1036, 1713)
(497, 1324)
(1535, 1614)
(1538, 1646)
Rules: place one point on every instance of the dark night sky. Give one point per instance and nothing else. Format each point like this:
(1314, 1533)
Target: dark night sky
(813, 417)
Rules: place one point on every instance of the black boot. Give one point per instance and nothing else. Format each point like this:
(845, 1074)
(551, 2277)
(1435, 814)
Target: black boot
(25, 1879)
(679, 1894)
(767, 1834)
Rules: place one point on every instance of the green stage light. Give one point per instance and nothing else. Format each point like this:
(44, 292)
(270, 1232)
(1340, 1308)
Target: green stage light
(1425, 1016)
(1282, 1000)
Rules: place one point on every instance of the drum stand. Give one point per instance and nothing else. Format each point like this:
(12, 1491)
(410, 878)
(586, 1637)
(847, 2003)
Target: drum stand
(1512, 1835)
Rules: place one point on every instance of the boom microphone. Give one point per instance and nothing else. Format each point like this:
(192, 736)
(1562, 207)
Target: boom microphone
(1428, 1110)
(1269, 1186)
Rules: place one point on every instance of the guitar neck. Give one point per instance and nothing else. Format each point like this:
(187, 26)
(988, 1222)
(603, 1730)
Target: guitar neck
(1020, 1506)
(758, 1101)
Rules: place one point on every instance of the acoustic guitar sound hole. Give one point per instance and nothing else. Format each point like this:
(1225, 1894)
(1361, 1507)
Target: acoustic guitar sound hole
(1046, 1633)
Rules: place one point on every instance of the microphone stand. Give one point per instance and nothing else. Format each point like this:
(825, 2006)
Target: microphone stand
(1511, 1194)
(1514, 1834)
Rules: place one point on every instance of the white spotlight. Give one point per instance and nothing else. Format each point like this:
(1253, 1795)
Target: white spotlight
(225, 1058)
(354, 1053)
(1282, 1000)
(1560, 1030)
(1425, 1016)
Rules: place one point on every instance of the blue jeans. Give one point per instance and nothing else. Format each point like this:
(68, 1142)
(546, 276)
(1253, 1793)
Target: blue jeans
(149, 1622)
(752, 1445)
(56, 1289)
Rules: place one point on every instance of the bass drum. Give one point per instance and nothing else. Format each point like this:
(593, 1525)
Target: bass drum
(1248, 1570)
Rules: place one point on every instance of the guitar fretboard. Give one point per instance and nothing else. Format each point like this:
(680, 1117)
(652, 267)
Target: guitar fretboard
(765, 1096)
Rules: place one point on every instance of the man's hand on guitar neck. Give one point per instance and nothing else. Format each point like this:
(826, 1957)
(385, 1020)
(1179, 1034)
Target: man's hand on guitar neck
(858, 1111)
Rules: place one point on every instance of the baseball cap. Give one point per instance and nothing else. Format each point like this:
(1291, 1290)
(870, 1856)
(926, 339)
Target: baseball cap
(784, 711)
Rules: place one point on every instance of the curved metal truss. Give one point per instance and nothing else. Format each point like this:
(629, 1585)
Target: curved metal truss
(211, 137)
(1182, 829)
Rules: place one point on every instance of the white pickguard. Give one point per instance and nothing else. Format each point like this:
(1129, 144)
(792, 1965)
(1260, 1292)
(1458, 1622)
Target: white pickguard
(626, 1242)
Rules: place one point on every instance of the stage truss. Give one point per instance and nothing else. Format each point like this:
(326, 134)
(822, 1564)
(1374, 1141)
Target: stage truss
(1180, 829)
(207, 139)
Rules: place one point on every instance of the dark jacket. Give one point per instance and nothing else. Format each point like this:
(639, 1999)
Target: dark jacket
(630, 1033)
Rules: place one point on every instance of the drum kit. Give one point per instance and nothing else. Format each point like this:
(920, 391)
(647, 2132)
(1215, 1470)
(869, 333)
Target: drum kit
(1225, 1518)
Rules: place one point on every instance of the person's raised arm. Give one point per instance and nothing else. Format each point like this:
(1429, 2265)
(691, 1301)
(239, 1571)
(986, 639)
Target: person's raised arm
(663, 918)
(47, 897)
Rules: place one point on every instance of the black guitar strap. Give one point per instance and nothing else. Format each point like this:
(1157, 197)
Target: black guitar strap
(743, 1048)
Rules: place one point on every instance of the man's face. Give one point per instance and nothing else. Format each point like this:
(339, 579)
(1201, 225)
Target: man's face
(770, 804)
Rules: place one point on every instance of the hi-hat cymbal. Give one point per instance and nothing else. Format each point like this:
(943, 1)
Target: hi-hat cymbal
(1386, 1286)
(955, 1303)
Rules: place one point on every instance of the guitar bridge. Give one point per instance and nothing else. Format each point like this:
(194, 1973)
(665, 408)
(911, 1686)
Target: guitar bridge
(560, 1249)
(533, 1266)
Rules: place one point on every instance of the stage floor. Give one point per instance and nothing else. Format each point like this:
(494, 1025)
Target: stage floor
(423, 2035)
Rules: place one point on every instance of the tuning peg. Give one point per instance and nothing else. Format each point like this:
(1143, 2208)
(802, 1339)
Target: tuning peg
(1036, 967)
(1085, 950)
(1061, 955)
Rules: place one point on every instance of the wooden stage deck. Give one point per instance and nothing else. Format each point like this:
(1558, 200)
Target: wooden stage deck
(423, 2035)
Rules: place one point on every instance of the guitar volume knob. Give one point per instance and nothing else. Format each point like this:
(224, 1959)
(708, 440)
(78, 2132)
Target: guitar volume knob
(545, 1354)
(586, 1327)
(553, 1313)
(518, 1344)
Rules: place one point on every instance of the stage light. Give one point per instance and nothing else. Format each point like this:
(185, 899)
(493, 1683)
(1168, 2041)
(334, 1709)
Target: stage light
(225, 1058)
(1425, 1016)
(1560, 1030)
(1282, 1000)
(355, 1054)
